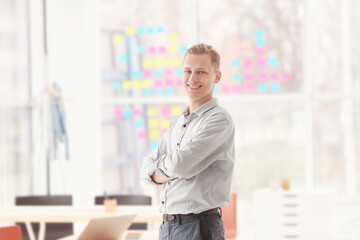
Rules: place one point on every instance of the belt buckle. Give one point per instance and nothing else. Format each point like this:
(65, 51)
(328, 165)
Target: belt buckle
(169, 217)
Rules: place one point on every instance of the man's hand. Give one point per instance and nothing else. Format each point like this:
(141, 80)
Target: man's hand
(159, 178)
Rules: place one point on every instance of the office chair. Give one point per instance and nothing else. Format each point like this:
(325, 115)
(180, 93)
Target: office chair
(53, 230)
(128, 200)
(229, 218)
(10, 232)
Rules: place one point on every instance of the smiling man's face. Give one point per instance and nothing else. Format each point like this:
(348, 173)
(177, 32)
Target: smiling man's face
(200, 77)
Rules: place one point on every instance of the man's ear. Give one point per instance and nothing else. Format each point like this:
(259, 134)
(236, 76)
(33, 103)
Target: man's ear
(218, 77)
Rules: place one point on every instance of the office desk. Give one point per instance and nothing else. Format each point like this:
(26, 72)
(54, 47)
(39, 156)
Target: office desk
(69, 214)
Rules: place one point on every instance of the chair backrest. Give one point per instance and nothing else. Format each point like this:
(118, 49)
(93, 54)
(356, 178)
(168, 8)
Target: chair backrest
(10, 232)
(128, 200)
(229, 217)
(53, 230)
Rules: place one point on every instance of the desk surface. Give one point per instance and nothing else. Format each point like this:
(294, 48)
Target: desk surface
(62, 214)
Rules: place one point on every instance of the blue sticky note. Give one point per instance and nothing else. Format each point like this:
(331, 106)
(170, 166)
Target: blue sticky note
(158, 73)
(127, 113)
(179, 73)
(158, 92)
(263, 87)
(170, 91)
(123, 58)
(237, 77)
(116, 85)
(140, 31)
(146, 92)
(275, 87)
(260, 42)
(153, 145)
(183, 49)
(235, 63)
(273, 62)
(150, 30)
(136, 75)
(139, 124)
(140, 49)
(216, 89)
(159, 29)
(260, 34)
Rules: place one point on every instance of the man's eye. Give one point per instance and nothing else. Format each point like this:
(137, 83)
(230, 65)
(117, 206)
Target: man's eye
(187, 71)
(201, 72)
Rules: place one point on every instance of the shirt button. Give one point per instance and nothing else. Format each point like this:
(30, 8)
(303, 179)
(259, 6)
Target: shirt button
(184, 125)
(178, 144)
(162, 202)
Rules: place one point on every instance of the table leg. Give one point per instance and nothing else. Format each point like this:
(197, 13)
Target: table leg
(42, 229)
(30, 231)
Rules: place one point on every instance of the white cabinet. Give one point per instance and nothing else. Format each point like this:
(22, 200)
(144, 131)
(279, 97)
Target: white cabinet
(294, 214)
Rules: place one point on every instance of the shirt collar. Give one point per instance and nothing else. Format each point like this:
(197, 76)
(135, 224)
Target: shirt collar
(203, 108)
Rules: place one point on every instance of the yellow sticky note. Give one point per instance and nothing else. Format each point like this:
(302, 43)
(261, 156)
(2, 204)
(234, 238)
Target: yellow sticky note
(130, 31)
(173, 37)
(146, 84)
(165, 124)
(173, 48)
(157, 63)
(137, 84)
(117, 39)
(154, 134)
(153, 123)
(152, 112)
(176, 111)
(127, 85)
(147, 64)
(175, 62)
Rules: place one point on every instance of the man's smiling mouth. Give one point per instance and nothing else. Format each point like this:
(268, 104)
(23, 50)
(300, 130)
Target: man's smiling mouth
(194, 87)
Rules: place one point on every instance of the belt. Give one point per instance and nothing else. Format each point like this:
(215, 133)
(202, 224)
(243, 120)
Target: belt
(172, 217)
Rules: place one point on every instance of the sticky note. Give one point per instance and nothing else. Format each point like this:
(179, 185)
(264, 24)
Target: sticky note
(154, 134)
(261, 62)
(224, 89)
(248, 77)
(179, 72)
(260, 42)
(274, 76)
(165, 112)
(140, 49)
(173, 48)
(139, 124)
(260, 34)
(260, 51)
(286, 76)
(216, 89)
(145, 84)
(175, 62)
(127, 113)
(249, 87)
(146, 92)
(137, 112)
(153, 145)
(150, 30)
(158, 63)
(275, 87)
(235, 63)
(262, 76)
(116, 85)
(176, 111)
(146, 73)
(160, 29)
(152, 112)
(142, 134)
(168, 72)
(140, 31)
(118, 113)
(137, 84)
(170, 91)
(127, 85)
(157, 83)
(247, 63)
(130, 31)
(153, 123)
(183, 49)
(173, 37)
(147, 63)
(179, 83)
(236, 88)
(158, 74)
(117, 39)
(152, 50)
(123, 58)
(158, 92)
(136, 75)
(237, 77)
(168, 82)
(262, 87)
(273, 62)
(162, 49)
(165, 124)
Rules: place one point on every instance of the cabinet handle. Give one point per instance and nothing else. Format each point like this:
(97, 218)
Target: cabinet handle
(291, 224)
(291, 215)
(291, 236)
(290, 205)
(290, 196)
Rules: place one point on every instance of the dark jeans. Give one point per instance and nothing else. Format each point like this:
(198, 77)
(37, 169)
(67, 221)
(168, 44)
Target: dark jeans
(202, 227)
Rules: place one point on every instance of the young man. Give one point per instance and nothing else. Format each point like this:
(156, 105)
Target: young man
(195, 158)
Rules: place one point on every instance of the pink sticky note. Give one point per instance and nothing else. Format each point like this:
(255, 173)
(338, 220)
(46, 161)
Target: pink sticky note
(274, 76)
(146, 73)
(165, 112)
(169, 83)
(286, 76)
(168, 72)
(163, 132)
(249, 87)
(262, 76)
(224, 89)
(152, 49)
(162, 49)
(118, 113)
(142, 134)
(179, 82)
(247, 63)
(261, 62)
(236, 88)
(248, 77)
(260, 51)
(157, 83)
(137, 112)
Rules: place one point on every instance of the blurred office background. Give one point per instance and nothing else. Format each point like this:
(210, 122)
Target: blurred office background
(291, 81)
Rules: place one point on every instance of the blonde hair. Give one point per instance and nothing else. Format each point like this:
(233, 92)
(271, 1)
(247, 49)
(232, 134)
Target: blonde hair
(202, 48)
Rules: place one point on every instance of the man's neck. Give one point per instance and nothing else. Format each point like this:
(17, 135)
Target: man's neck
(193, 105)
